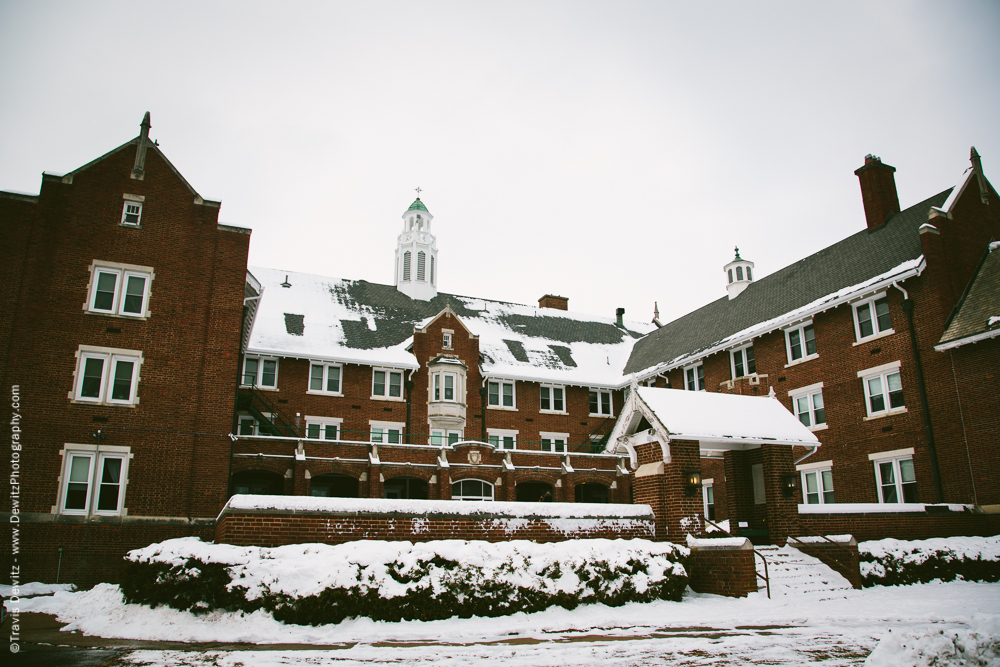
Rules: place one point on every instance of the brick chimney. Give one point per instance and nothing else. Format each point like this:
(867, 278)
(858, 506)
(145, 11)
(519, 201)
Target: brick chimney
(878, 190)
(553, 301)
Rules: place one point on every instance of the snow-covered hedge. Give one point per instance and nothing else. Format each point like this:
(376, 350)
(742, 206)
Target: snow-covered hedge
(318, 584)
(892, 562)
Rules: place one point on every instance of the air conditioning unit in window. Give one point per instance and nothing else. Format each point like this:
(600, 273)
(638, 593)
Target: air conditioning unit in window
(754, 379)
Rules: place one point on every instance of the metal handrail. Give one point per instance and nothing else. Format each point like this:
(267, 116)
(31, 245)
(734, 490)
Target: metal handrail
(765, 576)
(815, 534)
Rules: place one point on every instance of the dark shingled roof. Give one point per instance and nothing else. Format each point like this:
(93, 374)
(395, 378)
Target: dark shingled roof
(980, 302)
(858, 258)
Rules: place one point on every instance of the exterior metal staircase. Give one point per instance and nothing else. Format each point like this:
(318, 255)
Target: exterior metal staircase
(793, 573)
(270, 420)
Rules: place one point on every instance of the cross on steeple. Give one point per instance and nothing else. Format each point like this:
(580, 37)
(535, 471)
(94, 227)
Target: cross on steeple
(418, 192)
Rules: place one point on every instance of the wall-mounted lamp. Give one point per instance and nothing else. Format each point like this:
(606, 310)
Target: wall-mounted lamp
(789, 484)
(692, 482)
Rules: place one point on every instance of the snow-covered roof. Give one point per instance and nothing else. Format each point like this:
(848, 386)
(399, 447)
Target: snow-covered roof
(354, 321)
(719, 418)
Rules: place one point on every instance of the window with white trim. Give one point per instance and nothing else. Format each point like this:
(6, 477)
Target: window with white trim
(743, 363)
(119, 289)
(817, 483)
(554, 442)
(895, 475)
(247, 425)
(260, 372)
(808, 406)
(325, 379)
(323, 428)
(800, 342)
(93, 480)
(708, 497)
(444, 387)
(441, 437)
(600, 403)
(406, 265)
(553, 398)
(871, 317)
(500, 394)
(108, 376)
(502, 438)
(446, 339)
(883, 389)
(387, 384)
(421, 264)
(471, 489)
(386, 432)
(131, 213)
(694, 377)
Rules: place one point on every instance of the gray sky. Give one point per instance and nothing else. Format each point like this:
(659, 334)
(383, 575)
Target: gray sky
(609, 152)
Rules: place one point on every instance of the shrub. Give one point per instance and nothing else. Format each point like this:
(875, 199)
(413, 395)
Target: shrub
(892, 562)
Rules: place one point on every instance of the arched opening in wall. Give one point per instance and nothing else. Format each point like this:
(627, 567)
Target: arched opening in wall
(471, 489)
(334, 486)
(259, 483)
(405, 488)
(533, 492)
(591, 492)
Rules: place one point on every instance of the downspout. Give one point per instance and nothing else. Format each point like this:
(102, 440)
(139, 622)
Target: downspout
(803, 458)
(409, 399)
(908, 307)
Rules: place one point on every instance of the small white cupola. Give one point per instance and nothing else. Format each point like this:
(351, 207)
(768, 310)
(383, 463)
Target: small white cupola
(739, 275)
(416, 254)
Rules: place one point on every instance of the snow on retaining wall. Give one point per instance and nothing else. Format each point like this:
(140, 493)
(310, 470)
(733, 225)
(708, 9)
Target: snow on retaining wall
(278, 520)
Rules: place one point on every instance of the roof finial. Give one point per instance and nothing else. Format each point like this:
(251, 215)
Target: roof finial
(738, 253)
(140, 151)
(977, 166)
(418, 191)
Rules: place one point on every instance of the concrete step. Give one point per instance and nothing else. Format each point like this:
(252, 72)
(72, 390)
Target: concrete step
(793, 572)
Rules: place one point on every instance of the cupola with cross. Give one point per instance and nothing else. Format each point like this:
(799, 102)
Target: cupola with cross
(416, 254)
(739, 274)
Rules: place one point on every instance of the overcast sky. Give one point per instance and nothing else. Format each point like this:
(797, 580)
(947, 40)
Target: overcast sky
(610, 152)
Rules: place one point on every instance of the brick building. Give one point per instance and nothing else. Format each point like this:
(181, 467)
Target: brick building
(122, 300)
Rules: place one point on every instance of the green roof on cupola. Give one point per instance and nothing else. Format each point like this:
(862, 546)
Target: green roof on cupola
(417, 205)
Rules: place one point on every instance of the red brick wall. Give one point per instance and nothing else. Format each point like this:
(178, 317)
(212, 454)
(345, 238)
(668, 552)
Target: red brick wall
(722, 571)
(271, 529)
(901, 526)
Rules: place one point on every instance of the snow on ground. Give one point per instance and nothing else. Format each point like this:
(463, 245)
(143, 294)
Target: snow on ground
(34, 588)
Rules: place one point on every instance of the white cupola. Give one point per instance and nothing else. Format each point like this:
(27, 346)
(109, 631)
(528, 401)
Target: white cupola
(416, 254)
(739, 274)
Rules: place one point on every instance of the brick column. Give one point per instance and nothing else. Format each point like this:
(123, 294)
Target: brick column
(661, 486)
(778, 463)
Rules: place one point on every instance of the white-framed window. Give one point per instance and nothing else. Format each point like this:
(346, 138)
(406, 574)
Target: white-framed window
(600, 403)
(247, 425)
(93, 480)
(119, 289)
(323, 428)
(871, 317)
(708, 498)
(387, 432)
(743, 363)
(694, 377)
(446, 339)
(500, 394)
(406, 265)
(808, 406)
(106, 375)
(502, 438)
(800, 342)
(553, 398)
(883, 389)
(471, 489)
(817, 482)
(325, 379)
(260, 372)
(444, 387)
(441, 437)
(387, 384)
(131, 213)
(895, 476)
(757, 475)
(421, 265)
(554, 442)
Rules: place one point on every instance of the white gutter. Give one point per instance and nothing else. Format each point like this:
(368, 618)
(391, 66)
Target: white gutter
(986, 335)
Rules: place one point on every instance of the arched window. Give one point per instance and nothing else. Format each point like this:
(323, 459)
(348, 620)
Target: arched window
(749, 275)
(405, 488)
(739, 273)
(334, 486)
(471, 489)
(421, 262)
(591, 492)
(533, 492)
(730, 275)
(406, 265)
(432, 269)
(259, 483)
